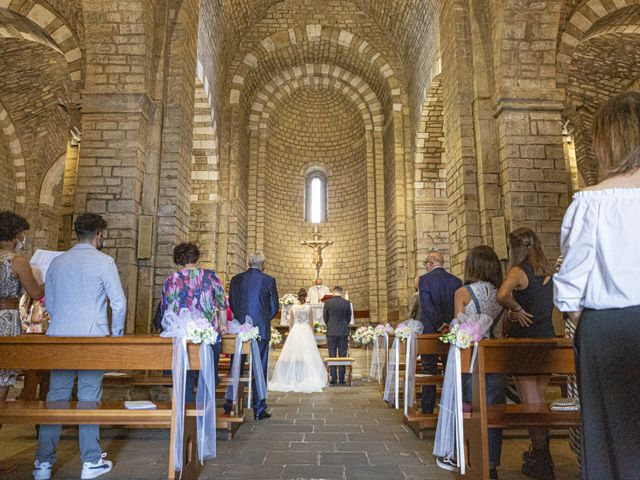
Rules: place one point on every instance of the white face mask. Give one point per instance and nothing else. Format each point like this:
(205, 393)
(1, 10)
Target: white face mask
(22, 245)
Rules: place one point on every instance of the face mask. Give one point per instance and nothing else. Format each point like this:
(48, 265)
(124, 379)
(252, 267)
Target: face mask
(21, 246)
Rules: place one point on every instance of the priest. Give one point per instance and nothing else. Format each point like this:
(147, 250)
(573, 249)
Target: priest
(317, 292)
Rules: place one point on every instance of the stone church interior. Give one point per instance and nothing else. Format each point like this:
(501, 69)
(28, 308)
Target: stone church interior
(372, 131)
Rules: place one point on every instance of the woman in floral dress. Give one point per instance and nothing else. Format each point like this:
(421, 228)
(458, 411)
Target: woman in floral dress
(15, 277)
(200, 291)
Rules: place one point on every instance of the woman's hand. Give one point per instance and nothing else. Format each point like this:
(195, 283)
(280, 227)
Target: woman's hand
(521, 317)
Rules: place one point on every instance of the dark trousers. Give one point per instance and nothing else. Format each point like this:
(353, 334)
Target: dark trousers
(338, 347)
(258, 406)
(192, 375)
(606, 351)
(430, 367)
(496, 395)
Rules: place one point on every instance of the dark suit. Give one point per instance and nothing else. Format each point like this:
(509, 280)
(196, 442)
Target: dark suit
(437, 289)
(254, 294)
(337, 316)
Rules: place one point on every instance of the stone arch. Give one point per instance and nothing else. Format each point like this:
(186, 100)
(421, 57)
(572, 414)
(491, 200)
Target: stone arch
(336, 37)
(54, 25)
(15, 146)
(52, 181)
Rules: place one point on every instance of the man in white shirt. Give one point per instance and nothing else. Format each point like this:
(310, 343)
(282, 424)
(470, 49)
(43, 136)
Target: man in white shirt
(78, 285)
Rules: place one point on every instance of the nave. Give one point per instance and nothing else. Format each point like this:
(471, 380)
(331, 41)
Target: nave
(343, 433)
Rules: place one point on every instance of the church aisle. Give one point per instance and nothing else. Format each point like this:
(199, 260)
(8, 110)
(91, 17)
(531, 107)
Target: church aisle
(345, 433)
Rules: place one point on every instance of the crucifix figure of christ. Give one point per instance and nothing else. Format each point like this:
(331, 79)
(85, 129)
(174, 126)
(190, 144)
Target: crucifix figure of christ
(317, 246)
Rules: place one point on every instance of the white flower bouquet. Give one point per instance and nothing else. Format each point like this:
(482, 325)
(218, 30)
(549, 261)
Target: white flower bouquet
(288, 299)
(276, 337)
(364, 336)
(380, 330)
(199, 330)
(403, 332)
(248, 332)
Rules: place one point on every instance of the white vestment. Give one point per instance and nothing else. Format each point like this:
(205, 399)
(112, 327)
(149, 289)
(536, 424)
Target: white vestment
(316, 293)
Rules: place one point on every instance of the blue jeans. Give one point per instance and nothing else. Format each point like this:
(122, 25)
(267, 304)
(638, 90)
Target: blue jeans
(496, 395)
(89, 390)
(192, 375)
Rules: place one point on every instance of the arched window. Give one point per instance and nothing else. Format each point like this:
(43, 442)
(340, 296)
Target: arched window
(316, 196)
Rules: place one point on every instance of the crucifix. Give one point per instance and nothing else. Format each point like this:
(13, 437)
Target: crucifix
(317, 246)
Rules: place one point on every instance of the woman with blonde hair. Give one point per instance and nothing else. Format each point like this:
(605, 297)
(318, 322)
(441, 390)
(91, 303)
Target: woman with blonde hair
(598, 286)
(527, 294)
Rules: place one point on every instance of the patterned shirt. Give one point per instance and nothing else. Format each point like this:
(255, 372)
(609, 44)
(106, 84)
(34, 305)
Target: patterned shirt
(196, 289)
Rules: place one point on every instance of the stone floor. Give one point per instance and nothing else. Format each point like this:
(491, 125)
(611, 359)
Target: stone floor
(342, 433)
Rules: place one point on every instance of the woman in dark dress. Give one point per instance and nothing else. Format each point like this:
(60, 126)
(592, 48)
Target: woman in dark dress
(527, 293)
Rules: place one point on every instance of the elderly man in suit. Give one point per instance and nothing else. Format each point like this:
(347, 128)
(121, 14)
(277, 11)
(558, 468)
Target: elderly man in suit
(436, 288)
(253, 293)
(337, 316)
(77, 286)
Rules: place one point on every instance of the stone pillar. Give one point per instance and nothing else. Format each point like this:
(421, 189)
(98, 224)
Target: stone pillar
(535, 182)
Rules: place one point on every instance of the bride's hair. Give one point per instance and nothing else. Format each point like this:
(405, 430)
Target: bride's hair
(302, 295)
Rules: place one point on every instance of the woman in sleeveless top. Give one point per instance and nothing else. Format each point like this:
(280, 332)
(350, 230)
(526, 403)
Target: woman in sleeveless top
(300, 367)
(527, 293)
(15, 276)
(483, 275)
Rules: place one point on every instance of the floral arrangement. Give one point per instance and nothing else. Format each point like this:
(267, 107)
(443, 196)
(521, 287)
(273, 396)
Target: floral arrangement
(364, 336)
(318, 327)
(199, 330)
(288, 299)
(380, 330)
(403, 332)
(463, 334)
(248, 332)
(276, 337)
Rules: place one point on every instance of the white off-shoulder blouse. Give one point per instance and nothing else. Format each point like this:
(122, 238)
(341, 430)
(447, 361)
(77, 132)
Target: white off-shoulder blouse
(600, 243)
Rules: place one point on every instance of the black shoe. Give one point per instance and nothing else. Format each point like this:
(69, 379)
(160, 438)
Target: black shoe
(262, 415)
(332, 383)
(538, 464)
(493, 473)
(342, 382)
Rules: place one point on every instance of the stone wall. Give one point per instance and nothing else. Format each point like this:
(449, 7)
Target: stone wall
(7, 177)
(317, 128)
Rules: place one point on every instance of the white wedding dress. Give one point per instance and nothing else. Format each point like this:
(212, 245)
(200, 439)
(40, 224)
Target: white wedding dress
(299, 367)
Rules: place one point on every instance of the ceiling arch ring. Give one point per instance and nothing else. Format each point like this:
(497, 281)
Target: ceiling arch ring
(351, 85)
(581, 21)
(56, 28)
(17, 155)
(339, 37)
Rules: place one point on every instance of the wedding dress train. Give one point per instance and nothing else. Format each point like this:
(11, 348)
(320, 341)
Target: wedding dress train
(299, 367)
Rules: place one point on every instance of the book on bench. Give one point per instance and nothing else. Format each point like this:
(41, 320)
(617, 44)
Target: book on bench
(139, 405)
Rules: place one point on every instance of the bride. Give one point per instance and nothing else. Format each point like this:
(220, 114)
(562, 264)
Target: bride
(300, 367)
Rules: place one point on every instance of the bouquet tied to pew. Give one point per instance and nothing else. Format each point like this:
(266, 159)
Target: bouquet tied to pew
(467, 329)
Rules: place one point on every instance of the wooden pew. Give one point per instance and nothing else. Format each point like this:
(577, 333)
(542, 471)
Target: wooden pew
(429, 344)
(139, 352)
(513, 357)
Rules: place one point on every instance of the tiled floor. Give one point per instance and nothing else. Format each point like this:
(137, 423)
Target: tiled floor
(342, 433)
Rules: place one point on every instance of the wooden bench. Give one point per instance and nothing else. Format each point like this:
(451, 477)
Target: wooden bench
(513, 357)
(140, 352)
(346, 362)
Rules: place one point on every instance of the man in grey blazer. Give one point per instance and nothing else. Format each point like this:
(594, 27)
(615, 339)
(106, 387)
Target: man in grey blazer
(77, 286)
(337, 316)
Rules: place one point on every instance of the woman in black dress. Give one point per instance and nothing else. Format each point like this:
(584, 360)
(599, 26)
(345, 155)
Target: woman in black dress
(527, 293)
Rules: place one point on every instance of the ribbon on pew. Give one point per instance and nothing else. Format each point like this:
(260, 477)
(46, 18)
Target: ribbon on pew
(246, 332)
(176, 327)
(392, 384)
(377, 360)
(411, 361)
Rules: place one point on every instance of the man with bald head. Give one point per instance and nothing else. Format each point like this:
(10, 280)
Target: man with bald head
(437, 288)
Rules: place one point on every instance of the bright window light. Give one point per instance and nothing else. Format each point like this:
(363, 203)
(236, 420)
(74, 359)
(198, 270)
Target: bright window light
(316, 200)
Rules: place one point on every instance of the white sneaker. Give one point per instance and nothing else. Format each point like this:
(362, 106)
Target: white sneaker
(447, 463)
(94, 470)
(42, 470)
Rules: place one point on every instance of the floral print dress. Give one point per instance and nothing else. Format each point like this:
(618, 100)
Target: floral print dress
(196, 289)
(10, 288)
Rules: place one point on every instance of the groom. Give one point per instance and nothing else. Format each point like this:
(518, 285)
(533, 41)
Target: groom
(254, 294)
(337, 315)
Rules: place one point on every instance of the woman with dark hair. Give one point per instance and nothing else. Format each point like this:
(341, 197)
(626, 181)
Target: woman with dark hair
(597, 286)
(16, 276)
(300, 367)
(482, 276)
(200, 291)
(527, 293)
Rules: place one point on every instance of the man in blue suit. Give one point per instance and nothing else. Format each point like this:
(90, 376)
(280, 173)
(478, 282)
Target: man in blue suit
(254, 294)
(437, 288)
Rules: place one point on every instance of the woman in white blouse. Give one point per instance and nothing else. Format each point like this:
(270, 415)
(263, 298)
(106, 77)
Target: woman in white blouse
(599, 285)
